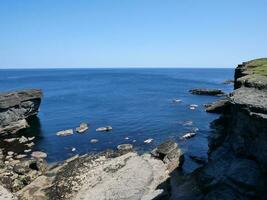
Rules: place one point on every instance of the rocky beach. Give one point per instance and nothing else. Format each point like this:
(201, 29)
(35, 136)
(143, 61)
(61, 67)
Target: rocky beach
(235, 168)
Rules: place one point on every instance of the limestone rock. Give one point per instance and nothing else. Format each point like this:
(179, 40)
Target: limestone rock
(16, 108)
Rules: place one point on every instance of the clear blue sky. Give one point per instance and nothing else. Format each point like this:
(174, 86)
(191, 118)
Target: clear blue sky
(127, 33)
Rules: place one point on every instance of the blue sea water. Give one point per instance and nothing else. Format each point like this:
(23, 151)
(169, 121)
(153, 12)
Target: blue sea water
(137, 103)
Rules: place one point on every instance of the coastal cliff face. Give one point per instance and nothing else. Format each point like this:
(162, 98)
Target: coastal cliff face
(237, 166)
(16, 108)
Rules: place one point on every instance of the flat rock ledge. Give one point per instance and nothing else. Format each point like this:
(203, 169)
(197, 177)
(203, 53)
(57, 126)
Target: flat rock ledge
(106, 176)
(16, 107)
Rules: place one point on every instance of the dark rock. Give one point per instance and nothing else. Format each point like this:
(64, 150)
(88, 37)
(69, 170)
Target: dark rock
(212, 92)
(219, 106)
(16, 108)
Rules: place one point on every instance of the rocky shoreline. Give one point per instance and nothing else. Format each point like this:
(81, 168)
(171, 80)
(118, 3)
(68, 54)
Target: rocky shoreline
(237, 163)
(236, 166)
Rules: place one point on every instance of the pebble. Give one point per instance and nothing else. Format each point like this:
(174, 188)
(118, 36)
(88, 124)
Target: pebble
(10, 153)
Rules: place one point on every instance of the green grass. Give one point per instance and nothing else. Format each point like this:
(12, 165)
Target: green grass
(258, 66)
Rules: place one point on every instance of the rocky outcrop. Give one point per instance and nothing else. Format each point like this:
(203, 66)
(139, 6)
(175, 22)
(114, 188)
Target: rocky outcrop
(108, 175)
(237, 166)
(219, 106)
(16, 108)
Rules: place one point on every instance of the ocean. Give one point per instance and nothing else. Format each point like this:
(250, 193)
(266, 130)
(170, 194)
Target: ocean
(137, 103)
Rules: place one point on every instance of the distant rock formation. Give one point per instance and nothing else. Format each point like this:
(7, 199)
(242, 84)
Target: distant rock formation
(211, 92)
(16, 108)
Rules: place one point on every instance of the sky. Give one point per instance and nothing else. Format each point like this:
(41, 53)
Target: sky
(131, 33)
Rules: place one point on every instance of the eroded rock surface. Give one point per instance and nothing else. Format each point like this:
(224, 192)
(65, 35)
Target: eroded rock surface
(106, 176)
(237, 165)
(16, 108)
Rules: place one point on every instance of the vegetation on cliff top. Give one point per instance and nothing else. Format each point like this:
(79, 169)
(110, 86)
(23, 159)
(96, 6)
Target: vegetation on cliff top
(258, 66)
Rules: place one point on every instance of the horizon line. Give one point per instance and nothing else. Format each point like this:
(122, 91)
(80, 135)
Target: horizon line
(117, 67)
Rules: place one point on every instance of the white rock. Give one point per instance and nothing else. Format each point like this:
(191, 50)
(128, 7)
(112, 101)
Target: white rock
(10, 153)
(73, 149)
(31, 138)
(39, 154)
(188, 135)
(10, 139)
(177, 100)
(107, 128)
(23, 139)
(27, 150)
(21, 156)
(148, 141)
(127, 138)
(82, 128)
(65, 132)
(29, 144)
(94, 140)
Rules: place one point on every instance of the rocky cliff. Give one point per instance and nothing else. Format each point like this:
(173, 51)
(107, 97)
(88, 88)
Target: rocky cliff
(16, 108)
(237, 166)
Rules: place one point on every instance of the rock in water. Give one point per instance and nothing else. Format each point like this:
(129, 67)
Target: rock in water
(16, 108)
(107, 128)
(212, 92)
(65, 132)
(148, 141)
(38, 154)
(188, 135)
(94, 140)
(82, 128)
(125, 148)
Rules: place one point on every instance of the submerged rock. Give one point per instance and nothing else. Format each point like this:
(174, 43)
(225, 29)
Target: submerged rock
(82, 128)
(125, 148)
(16, 108)
(107, 128)
(65, 132)
(212, 92)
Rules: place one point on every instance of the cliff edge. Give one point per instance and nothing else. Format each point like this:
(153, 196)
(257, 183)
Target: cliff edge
(237, 165)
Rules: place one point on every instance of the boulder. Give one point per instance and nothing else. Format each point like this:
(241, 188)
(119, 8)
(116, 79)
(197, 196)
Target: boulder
(188, 136)
(169, 153)
(65, 132)
(82, 128)
(212, 92)
(16, 108)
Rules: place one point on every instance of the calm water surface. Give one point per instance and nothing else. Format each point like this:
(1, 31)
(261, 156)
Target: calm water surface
(137, 103)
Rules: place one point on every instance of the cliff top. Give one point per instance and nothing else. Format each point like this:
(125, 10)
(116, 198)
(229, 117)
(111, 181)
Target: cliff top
(10, 99)
(258, 66)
